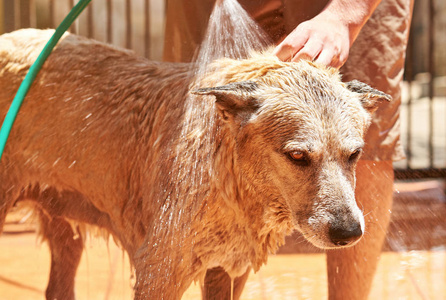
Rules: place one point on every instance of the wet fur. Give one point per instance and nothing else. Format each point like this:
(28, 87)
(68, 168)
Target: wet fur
(97, 141)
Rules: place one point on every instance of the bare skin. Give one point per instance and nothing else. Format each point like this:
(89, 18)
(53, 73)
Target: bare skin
(311, 40)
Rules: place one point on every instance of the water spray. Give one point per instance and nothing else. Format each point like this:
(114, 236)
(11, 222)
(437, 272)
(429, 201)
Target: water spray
(34, 70)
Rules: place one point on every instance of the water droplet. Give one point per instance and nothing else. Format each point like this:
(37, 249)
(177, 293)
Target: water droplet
(72, 164)
(56, 161)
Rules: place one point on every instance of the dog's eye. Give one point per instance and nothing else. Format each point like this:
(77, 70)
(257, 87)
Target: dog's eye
(355, 155)
(298, 157)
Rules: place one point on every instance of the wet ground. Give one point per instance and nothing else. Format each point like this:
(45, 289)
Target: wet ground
(413, 265)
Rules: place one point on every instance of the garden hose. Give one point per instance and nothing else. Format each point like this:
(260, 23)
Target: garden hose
(34, 70)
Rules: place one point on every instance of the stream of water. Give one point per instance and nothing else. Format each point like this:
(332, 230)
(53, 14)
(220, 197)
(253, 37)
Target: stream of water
(231, 33)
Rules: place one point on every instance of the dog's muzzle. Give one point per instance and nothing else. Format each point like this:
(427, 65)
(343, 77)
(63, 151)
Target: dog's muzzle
(344, 236)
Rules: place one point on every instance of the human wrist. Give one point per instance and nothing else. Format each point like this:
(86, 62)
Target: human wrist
(351, 14)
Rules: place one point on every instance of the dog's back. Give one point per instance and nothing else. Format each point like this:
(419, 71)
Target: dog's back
(91, 114)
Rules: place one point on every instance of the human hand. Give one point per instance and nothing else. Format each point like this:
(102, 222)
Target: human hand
(324, 39)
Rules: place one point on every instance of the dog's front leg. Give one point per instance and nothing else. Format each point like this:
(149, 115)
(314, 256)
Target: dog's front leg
(351, 270)
(217, 284)
(66, 252)
(163, 270)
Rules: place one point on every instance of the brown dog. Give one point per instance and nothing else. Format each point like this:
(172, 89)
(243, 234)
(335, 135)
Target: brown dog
(104, 138)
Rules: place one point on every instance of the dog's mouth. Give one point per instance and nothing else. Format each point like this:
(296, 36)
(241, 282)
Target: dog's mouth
(326, 243)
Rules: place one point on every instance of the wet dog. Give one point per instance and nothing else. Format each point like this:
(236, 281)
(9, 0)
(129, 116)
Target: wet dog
(104, 139)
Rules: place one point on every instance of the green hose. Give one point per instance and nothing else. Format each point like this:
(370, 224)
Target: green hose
(34, 70)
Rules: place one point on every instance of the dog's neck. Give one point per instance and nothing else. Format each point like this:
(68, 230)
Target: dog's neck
(238, 222)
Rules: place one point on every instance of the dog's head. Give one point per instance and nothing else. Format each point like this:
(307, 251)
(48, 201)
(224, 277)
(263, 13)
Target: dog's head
(299, 132)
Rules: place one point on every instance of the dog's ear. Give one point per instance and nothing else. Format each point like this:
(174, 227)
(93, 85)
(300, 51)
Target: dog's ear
(234, 99)
(370, 97)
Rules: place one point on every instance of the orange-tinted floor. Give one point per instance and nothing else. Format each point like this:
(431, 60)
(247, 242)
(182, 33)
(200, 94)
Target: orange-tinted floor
(405, 271)
(104, 273)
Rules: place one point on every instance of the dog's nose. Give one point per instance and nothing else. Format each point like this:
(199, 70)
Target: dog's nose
(342, 236)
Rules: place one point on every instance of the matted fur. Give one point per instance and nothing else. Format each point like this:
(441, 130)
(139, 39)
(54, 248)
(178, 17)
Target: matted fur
(99, 141)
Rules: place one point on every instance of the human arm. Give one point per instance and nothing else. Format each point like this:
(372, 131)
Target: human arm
(327, 37)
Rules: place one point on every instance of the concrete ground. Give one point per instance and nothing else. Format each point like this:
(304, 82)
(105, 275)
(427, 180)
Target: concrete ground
(413, 265)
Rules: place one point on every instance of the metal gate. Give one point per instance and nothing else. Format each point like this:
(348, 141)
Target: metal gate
(139, 25)
(423, 111)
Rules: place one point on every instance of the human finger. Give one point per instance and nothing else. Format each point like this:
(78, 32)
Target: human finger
(310, 51)
(328, 58)
(294, 42)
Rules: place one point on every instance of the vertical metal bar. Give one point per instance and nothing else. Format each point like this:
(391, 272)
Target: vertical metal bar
(25, 13)
(51, 10)
(32, 14)
(128, 24)
(16, 15)
(109, 21)
(431, 70)
(90, 24)
(2, 17)
(9, 10)
(409, 78)
(73, 28)
(147, 28)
